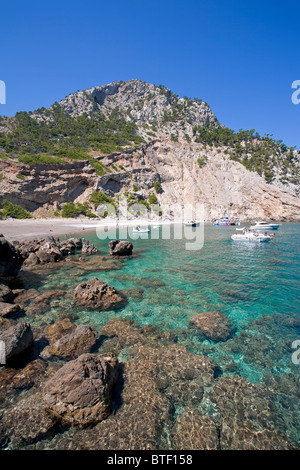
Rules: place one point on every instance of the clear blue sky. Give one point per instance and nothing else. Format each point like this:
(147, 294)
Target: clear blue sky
(240, 56)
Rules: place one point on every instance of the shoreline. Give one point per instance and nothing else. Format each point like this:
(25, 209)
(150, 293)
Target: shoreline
(30, 229)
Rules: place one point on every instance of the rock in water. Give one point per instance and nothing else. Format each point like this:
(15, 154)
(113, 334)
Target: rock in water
(10, 258)
(74, 343)
(98, 295)
(79, 393)
(8, 309)
(49, 253)
(214, 325)
(120, 248)
(6, 293)
(18, 338)
(88, 247)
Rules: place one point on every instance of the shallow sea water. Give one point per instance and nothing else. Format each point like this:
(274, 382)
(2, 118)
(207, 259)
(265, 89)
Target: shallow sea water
(255, 285)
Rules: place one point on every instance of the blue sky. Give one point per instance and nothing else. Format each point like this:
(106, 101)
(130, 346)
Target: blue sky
(240, 56)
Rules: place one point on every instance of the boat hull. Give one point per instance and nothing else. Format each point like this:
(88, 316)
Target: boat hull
(246, 238)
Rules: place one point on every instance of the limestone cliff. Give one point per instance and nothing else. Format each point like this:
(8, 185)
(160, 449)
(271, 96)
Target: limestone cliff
(190, 170)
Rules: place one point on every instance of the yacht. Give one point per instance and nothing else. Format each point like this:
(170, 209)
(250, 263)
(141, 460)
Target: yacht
(263, 226)
(251, 236)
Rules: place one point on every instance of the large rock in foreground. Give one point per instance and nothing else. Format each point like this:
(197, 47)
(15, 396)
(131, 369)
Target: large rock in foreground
(120, 248)
(79, 393)
(98, 295)
(213, 325)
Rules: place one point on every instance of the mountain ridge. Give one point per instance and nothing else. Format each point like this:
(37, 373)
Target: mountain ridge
(103, 127)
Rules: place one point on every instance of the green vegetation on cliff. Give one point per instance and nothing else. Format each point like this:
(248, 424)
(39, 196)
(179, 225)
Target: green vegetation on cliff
(263, 154)
(63, 136)
(13, 210)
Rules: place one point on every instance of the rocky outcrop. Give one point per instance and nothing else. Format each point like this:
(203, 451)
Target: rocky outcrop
(52, 250)
(6, 293)
(10, 258)
(98, 295)
(120, 248)
(213, 325)
(17, 337)
(78, 339)
(7, 309)
(79, 392)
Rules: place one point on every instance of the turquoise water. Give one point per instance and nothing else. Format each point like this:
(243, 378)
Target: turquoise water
(255, 285)
(245, 281)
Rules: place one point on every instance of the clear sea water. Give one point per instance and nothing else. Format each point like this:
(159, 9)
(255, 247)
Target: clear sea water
(256, 285)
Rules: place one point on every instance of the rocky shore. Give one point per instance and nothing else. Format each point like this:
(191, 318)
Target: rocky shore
(65, 385)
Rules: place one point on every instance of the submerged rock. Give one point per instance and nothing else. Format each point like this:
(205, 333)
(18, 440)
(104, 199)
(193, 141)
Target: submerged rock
(213, 325)
(150, 282)
(247, 416)
(120, 248)
(25, 424)
(195, 431)
(98, 295)
(79, 392)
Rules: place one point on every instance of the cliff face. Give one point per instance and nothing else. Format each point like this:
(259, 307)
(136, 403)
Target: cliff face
(221, 185)
(189, 171)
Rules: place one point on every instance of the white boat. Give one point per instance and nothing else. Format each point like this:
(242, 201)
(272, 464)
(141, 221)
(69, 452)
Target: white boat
(247, 235)
(263, 226)
(192, 223)
(140, 230)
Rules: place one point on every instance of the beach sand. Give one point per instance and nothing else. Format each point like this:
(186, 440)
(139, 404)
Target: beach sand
(29, 229)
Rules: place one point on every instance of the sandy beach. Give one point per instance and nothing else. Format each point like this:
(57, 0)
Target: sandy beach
(29, 229)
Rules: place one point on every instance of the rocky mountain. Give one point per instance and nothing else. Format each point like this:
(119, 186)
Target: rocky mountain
(143, 143)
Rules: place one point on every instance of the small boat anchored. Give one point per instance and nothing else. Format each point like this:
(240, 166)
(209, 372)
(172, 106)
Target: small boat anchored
(264, 226)
(192, 223)
(252, 236)
(140, 230)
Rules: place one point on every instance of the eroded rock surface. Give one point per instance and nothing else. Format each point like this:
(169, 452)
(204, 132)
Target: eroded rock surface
(98, 295)
(213, 325)
(79, 392)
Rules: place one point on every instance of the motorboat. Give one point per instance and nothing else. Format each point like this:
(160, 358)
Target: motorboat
(192, 223)
(222, 221)
(263, 226)
(140, 230)
(251, 236)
